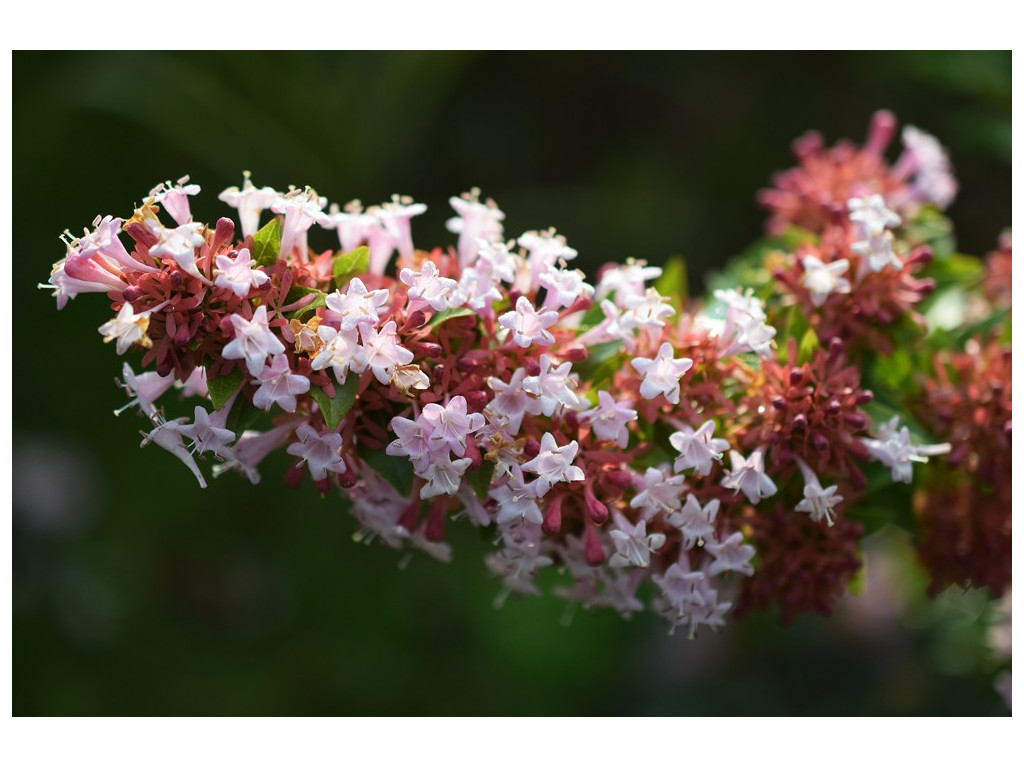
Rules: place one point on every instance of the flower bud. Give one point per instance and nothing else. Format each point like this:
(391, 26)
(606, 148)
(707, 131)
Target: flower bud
(592, 549)
(553, 517)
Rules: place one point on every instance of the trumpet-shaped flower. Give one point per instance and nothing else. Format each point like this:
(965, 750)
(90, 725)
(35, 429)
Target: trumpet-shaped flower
(748, 475)
(554, 387)
(180, 244)
(553, 464)
(512, 401)
(730, 555)
(279, 386)
(697, 448)
(237, 273)
(254, 342)
(428, 286)
(528, 326)
(822, 279)
(250, 202)
(661, 493)
(127, 328)
(475, 221)
(443, 476)
(450, 425)
(892, 446)
(609, 419)
(662, 373)
(340, 351)
(695, 523)
(819, 503)
(872, 215)
(382, 352)
(208, 433)
(321, 453)
(633, 545)
(358, 306)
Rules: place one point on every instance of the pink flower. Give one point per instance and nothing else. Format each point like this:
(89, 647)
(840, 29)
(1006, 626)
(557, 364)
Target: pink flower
(321, 453)
(357, 306)
(450, 425)
(254, 342)
(279, 386)
(609, 419)
(529, 326)
(748, 475)
(553, 465)
(428, 286)
(382, 352)
(661, 374)
(250, 202)
(237, 274)
(697, 448)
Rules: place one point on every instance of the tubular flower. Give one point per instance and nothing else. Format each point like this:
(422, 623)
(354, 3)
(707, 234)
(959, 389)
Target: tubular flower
(584, 422)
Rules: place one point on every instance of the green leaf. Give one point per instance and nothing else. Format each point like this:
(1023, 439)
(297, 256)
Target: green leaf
(397, 470)
(266, 244)
(335, 408)
(448, 314)
(242, 416)
(223, 387)
(673, 283)
(297, 293)
(349, 265)
(480, 479)
(808, 344)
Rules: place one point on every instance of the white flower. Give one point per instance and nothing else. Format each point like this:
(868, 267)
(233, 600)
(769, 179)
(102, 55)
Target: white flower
(528, 325)
(180, 244)
(382, 352)
(553, 465)
(443, 475)
(731, 555)
(648, 311)
(167, 434)
(341, 352)
(428, 286)
(516, 501)
(321, 453)
(564, 287)
(451, 425)
(695, 523)
(353, 225)
(357, 306)
(476, 221)
(254, 342)
(396, 217)
(662, 373)
(609, 419)
(877, 252)
(511, 400)
(127, 328)
(748, 475)
(554, 387)
(661, 493)
(207, 432)
(871, 215)
(633, 545)
(822, 279)
(892, 446)
(301, 209)
(745, 328)
(279, 386)
(626, 280)
(250, 203)
(697, 448)
(144, 389)
(237, 274)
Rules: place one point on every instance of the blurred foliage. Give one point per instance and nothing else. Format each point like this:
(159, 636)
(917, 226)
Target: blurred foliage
(137, 593)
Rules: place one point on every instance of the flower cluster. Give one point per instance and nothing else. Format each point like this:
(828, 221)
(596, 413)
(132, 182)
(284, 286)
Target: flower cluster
(608, 431)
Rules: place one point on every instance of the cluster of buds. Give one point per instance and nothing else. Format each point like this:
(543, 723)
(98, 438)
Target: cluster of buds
(616, 435)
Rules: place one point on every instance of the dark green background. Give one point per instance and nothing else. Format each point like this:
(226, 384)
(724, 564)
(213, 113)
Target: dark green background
(137, 593)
